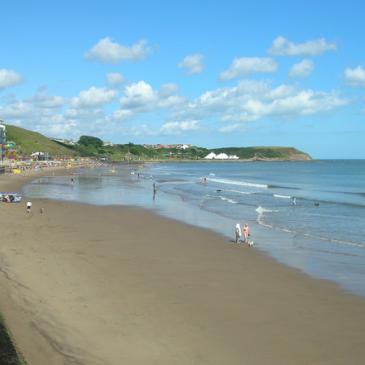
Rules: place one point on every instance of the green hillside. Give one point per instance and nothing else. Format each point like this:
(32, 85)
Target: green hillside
(28, 142)
(265, 152)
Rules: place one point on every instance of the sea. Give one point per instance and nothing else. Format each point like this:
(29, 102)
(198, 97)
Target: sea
(309, 215)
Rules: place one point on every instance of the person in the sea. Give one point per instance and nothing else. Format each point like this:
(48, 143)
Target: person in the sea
(246, 233)
(238, 233)
(294, 200)
(154, 191)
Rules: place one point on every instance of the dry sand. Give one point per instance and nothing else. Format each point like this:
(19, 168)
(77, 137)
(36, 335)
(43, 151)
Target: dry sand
(83, 284)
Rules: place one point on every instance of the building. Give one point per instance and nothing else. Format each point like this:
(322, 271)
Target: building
(108, 144)
(2, 133)
(2, 140)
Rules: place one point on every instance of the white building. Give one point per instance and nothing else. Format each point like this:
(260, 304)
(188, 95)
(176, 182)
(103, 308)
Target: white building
(2, 133)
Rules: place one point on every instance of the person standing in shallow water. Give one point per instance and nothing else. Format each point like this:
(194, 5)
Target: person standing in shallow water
(246, 233)
(238, 233)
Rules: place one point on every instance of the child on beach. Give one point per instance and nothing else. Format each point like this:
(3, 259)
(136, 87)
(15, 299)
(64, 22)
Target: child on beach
(29, 207)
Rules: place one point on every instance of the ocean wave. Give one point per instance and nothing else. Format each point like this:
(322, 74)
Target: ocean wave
(240, 192)
(239, 183)
(228, 200)
(281, 196)
(260, 210)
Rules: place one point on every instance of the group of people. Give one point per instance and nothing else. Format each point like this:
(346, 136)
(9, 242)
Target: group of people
(243, 235)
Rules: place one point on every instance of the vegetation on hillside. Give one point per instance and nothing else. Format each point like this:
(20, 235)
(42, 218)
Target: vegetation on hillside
(260, 152)
(8, 353)
(28, 142)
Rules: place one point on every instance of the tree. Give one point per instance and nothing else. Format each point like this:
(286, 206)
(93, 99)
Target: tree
(90, 141)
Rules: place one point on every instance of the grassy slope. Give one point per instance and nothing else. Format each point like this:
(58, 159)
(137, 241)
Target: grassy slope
(8, 353)
(29, 142)
(262, 152)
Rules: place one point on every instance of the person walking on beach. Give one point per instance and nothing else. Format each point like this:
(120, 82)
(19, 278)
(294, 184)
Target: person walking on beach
(246, 233)
(29, 207)
(238, 233)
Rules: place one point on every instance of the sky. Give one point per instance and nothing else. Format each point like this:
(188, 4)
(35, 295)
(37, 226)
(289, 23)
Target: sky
(207, 73)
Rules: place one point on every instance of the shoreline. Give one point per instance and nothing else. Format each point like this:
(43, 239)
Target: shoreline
(164, 291)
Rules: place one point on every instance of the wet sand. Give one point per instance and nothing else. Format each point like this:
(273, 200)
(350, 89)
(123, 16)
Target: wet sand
(82, 284)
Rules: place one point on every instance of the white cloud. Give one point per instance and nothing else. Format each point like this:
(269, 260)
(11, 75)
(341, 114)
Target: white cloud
(141, 97)
(138, 95)
(246, 65)
(93, 97)
(115, 78)
(107, 51)
(192, 64)
(283, 47)
(178, 127)
(42, 99)
(355, 76)
(122, 114)
(253, 100)
(167, 90)
(9, 78)
(302, 69)
(238, 127)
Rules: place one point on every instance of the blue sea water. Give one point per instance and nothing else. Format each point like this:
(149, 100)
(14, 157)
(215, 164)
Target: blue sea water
(322, 234)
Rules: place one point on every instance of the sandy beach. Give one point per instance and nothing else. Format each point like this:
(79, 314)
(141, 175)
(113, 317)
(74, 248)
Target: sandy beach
(83, 284)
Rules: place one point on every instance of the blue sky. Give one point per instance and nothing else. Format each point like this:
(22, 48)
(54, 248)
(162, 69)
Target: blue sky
(210, 73)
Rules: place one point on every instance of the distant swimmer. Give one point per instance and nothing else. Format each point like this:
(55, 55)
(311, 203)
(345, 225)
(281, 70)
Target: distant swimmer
(72, 180)
(316, 204)
(219, 190)
(205, 180)
(154, 191)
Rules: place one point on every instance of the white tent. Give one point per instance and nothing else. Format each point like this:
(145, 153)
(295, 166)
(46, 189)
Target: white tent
(211, 156)
(222, 156)
(233, 157)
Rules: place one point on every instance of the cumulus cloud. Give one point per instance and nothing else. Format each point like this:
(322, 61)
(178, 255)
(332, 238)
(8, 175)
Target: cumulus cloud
(115, 78)
(238, 127)
(355, 76)
(192, 64)
(140, 96)
(9, 78)
(246, 65)
(178, 127)
(283, 47)
(253, 100)
(93, 97)
(44, 100)
(107, 51)
(302, 69)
